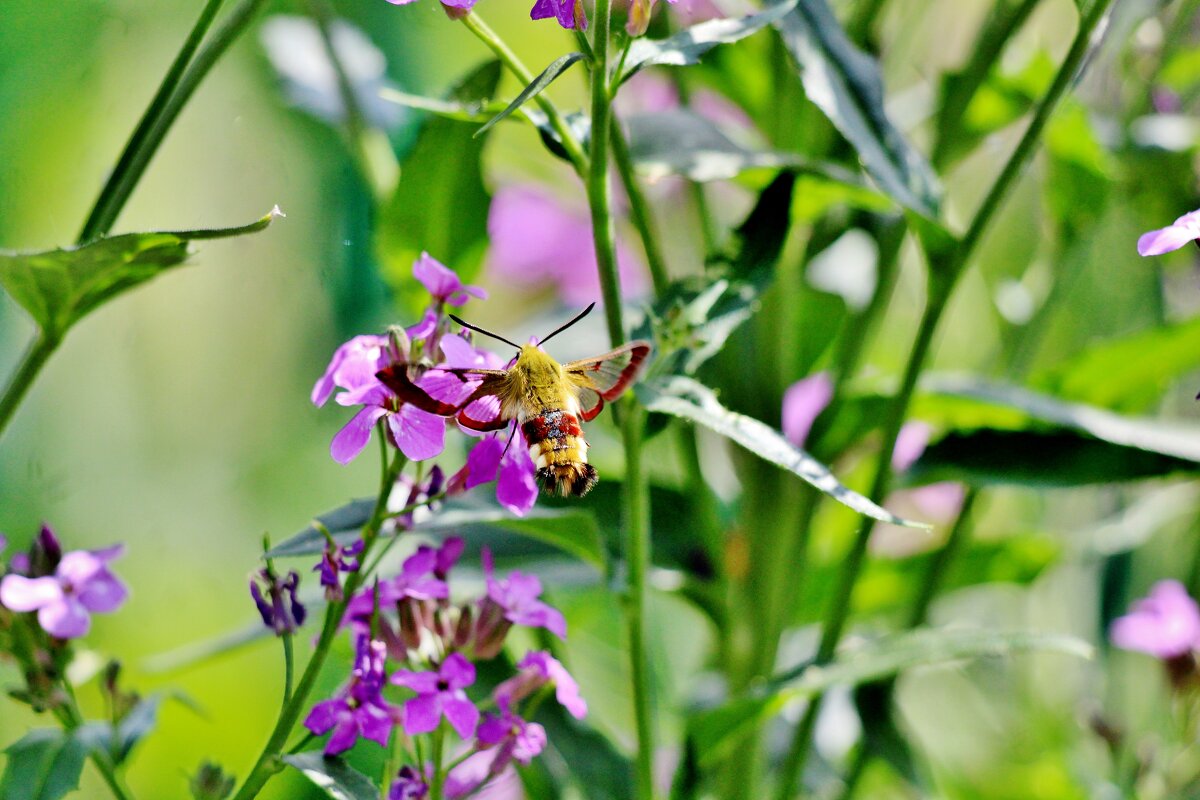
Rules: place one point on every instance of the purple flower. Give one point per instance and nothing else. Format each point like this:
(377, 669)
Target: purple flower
(353, 365)
(537, 669)
(440, 280)
(803, 402)
(409, 785)
(359, 710)
(511, 601)
(910, 444)
(81, 585)
(493, 458)
(335, 560)
(414, 583)
(419, 434)
(537, 240)
(440, 694)
(569, 13)
(280, 609)
(1174, 236)
(517, 739)
(1166, 624)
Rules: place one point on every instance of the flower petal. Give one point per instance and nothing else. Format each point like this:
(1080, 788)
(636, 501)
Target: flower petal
(418, 434)
(1164, 240)
(324, 715)
(483, 461)
(422, 714)
(462, 715)
(19, 593)
(65, 618)
(516, 487)
(353, 437)
(803, 402)
(104, 592)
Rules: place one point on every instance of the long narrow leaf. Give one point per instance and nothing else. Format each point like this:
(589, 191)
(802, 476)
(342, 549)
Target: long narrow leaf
(535, 87)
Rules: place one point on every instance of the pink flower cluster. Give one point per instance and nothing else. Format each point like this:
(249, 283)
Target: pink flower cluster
(410, 621)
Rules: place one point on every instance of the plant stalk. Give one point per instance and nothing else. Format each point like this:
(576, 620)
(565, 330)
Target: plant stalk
(40, 348)
(639, 209)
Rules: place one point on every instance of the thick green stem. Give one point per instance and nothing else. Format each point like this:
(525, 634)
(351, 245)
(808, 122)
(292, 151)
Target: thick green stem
(163, 112)
(289, 667)
(39, 350)
(109, 203)
(507, 57)
(268, 761)
(439, 776)
(639, 209)
(598, 189)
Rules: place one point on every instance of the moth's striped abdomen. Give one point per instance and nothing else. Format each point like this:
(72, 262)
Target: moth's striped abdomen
(559, 452)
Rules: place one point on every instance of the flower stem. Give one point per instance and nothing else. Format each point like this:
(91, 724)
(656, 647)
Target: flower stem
(289, 666)
(268, 761)
(109, 203)
(598, 188)
(639, 210)
(514, 64)
(40, 348)
(941, 288)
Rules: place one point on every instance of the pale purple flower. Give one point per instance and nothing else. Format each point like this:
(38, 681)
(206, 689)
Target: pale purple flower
(537, 669)
(1165, 624)
(359, 710)
(569, 13)
(910, 444)
(504, 458)
(419, 434)
(803, 402)
(409, 785)
(414, 582)
(353, 365)
(474, 778)
(440, 694)
(517, 739)
(537, 239)
(440, 280)
(281, 611)
(335, 560)
(511, 601)
(80, 586)
(1174, 236)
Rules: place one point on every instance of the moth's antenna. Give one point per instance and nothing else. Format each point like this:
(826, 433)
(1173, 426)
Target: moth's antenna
(481, 330)
(578, 317)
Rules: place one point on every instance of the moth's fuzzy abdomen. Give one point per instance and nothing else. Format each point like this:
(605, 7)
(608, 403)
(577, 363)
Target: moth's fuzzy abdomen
(559, 453)
(575, 478)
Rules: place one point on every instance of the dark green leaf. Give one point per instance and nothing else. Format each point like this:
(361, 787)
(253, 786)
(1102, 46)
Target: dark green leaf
(211, 783)
(845, 83)
(714, 731)
(762, 234)
(536, 87)
(692, 320)
(59, 287)
(688, 45)
(691, 400)
(579, 124)
(338, 779)
(440, 204)
(44, 765)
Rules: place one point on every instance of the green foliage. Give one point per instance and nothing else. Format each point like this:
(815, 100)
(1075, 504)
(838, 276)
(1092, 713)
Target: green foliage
(210, 783)
(45, 764)
(338, 779)
(538, 85)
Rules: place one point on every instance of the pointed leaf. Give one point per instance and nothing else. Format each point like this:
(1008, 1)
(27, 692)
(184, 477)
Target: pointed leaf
(450, 109)
(59, 287)
(692, 400)
(536, 87)
(845, 83)
(337, 778)
(688, 45)
(43, 765)
(714, 731)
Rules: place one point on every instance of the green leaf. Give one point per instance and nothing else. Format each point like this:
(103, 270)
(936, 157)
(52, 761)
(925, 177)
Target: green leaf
(135, 726)
(689, 399)
(571, 530)
(763, 233)
(713, 732)
(449, 109)
(211, 783)
(1127, 373)
(440, 204)
(193, 653)
(692, 320)
(536, 87)
(845, 84)
(338, 779)
(688, 45)
(59, 287)
(43, 765)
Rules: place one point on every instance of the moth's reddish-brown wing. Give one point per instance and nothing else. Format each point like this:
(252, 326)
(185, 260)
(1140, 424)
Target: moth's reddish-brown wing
(395, 377)
(491, 385)
(606, 376)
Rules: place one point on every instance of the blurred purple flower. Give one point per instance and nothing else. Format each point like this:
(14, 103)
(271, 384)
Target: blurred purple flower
(910, 444)
(535, 240)
(511, 601)
(1165, 624)
(1174, 236)
(360, 709)
(408, 784)
(493, 459)
(80, 586)
(440, 694)
(536, 670)
(281, 611)
(803, 402)
(440, 280)
(354, 364)
(569, 13)
(335, 560)
(510, 738)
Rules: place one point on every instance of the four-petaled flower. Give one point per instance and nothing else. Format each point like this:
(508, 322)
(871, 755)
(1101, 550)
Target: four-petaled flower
(1174, 236)
(1165, 624)
(441, 281)
(440, 694)
(537, 669)
(517, 739)
(360, 709)
(81, 585)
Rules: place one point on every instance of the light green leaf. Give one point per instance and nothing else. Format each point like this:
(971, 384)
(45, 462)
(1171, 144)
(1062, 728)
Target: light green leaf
(449, 109)
(845, 83)
(692, 400)
(337, 778)
(535, 87)
(688, 45)
(714, 731)
(59, 287)
(43, 765)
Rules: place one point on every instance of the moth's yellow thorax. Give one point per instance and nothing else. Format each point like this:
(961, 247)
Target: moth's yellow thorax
(540, 382)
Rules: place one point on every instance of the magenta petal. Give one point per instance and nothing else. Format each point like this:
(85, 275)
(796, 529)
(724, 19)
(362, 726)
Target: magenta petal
(19, 593)
(1164, 240)
(462, 715)
(324, 715)
(910, 444)
(516, 488)
(422, 714)
(375, 722)
(483, 461)
(418, 434)
(345, 734)
(353, 437)
(542, 9)
(457, 671)
(103, 593)
(420, 682)
(65, 619)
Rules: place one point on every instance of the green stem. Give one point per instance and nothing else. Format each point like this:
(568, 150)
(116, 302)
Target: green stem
(109, 202)
(941, 288)
(939, 567)
(39, 350)
(486, 35)
(598, 188)
(70, 718)
(439, 776)
(639, 209)
(289, 667)
(268, 761)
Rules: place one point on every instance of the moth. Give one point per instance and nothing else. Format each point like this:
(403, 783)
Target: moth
(547, 399)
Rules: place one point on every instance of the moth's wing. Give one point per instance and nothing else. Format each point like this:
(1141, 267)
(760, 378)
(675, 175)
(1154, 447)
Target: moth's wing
(590, 402)
(482, 409)
(607, 375)
(443, 391)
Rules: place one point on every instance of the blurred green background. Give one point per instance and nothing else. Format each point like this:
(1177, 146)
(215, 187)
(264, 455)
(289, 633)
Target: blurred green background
(177, 419)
